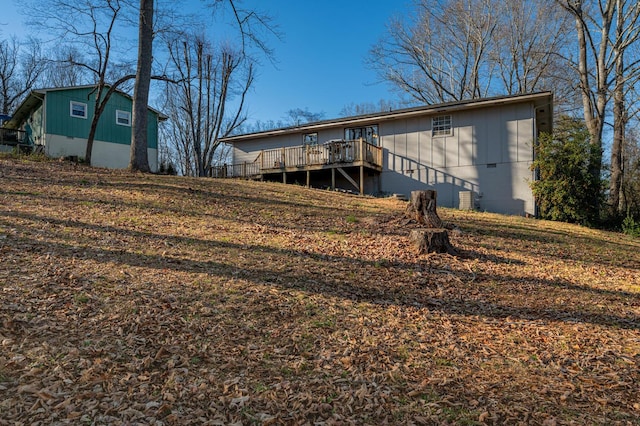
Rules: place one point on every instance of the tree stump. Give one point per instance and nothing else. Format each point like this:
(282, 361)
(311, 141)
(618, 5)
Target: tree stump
(435, 239)
(432, 241)
(422, 208)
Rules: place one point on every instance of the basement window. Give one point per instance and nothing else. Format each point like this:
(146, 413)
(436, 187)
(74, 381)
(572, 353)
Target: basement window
(78, 109)
(441, 125)
(123, 118)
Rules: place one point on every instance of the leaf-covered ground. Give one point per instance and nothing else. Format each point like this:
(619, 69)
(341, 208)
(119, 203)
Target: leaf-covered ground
(136, 299)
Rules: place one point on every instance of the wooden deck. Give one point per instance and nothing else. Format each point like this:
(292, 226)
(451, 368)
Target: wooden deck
(11, 137)
(335, 155)
(15, 139)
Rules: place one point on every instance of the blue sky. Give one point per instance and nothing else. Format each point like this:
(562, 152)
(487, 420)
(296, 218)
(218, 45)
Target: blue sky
(319, 61)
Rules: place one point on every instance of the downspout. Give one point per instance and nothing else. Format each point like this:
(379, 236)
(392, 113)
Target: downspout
(536, 171)
(43, 128)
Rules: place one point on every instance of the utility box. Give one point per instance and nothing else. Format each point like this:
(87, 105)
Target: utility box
(467, 200)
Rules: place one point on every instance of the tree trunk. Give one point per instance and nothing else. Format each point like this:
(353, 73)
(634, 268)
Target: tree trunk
(619, 110)
(139, 159)
(615, 185)
(432, 241)
(435, 239)
(92, 134)
(422, 208)
(594, 99)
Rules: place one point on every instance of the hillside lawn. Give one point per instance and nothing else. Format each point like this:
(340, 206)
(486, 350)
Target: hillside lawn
(159, 300)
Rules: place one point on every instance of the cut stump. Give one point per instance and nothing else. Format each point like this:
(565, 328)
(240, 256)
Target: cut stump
(434, 239)
(422, 208)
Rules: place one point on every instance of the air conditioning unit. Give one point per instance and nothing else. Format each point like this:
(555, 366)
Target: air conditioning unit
(467, 200)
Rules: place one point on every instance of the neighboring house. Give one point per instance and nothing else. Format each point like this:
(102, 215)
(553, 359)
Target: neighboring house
(479, 150)
(59, 120)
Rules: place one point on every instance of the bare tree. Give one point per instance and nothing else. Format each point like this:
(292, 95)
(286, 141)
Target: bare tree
(249, 24)
(254, 28)
(21, 66)
(382, 105)
(528, 46)
(627, 74)
(60, 69)
(95, 27)
(593, 70)
(630, 193)
(442, 54)
(297, 116)
(606, 30)
(199, 105)
(466, 49)
(261, 126)
(293, 117)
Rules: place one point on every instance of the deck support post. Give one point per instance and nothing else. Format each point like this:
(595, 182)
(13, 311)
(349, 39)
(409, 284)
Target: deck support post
(308, 179)
(333, 178)
(361, 180)
(284, 177)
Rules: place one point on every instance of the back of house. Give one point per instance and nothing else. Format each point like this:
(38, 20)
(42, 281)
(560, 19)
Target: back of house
(479, 150)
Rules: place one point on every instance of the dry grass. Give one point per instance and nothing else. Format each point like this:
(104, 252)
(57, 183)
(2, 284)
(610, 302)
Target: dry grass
(135, 299)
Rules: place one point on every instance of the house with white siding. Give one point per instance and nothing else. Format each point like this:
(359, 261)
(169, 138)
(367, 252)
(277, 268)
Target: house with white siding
(480, 149)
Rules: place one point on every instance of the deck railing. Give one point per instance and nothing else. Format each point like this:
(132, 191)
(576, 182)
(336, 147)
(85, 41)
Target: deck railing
(286, 158)
(11, 137)
(241, 170)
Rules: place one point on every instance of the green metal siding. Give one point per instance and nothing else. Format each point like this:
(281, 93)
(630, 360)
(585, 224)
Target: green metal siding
(60, 121)
(108, 130)
(152, 130)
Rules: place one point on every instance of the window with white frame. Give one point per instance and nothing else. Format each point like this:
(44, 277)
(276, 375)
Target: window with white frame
(310, 139)
(441, 125)
(123, 118)
(78, 109)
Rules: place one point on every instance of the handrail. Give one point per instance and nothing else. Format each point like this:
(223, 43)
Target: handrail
(12, 137)
(331, 152)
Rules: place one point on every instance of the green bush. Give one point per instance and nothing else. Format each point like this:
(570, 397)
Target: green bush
(568, 189)
(630, 226)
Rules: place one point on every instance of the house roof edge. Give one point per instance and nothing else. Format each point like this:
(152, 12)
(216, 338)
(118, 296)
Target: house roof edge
(389, 115)
(29, 99)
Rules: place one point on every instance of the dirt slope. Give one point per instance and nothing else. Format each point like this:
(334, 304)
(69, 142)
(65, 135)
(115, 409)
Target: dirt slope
(135, 299)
